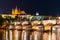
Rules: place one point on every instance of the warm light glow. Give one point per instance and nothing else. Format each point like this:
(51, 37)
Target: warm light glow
(25, 22)
(52, 21)
(24, 27)
(49, 37)
(35, 22)
(45, 22)
(10, 27)
(23, 12)
(17, 27)
(58, 17)
(7, 35)
(17, 11)
(45, 36)
(15, 23)
(53, 28)
(47, 27)
(35, 35)
(34, 27)
(24, 35)
(53, 36)
(58, 21)
(3, 16)
(16, 34)
(10, 35)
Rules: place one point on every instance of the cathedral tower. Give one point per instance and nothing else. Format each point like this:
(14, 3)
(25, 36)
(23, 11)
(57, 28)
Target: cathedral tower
(17, 11)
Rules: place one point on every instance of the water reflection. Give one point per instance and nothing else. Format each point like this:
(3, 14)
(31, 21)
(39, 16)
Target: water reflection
(6, 35)
(10, 34)
(47, 36)
(16, 35)
(23, 35)
(2, 35)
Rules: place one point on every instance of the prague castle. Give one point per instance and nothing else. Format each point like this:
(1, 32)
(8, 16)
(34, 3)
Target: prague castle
(14, 12)
(17, 11)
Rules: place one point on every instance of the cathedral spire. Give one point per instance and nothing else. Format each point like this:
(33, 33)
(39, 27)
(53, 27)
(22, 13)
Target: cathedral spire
(17, 11)
(16, 7)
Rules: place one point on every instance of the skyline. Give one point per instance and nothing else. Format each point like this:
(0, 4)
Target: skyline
(44, 7)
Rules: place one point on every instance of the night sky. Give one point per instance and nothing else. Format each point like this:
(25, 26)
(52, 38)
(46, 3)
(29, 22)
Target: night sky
(44, 7)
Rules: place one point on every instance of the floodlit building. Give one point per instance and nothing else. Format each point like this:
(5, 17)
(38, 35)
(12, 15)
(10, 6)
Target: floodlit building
(14, 12)
(17, 11)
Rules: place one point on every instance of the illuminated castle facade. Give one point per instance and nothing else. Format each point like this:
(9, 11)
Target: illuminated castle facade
(17, 11)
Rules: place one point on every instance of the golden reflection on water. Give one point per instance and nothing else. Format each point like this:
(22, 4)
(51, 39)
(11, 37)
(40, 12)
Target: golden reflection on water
(24, 35)
(53, 36)
(18, 35)
(6, 35)
(2, 34)
(47, 36)
(35, 35)
(10, 35)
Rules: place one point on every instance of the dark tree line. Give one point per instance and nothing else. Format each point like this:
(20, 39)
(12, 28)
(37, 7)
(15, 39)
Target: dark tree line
(1, 20)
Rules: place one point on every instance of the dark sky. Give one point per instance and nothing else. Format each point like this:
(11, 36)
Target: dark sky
(44, 7)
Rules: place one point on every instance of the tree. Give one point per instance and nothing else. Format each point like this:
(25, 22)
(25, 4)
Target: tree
(1, 20)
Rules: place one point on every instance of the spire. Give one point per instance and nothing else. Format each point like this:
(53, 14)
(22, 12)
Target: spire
(13, 11)
(17, 11)
(16, 7)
